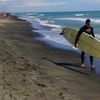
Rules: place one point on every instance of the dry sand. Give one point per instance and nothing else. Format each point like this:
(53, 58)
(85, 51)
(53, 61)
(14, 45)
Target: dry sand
(32, 70)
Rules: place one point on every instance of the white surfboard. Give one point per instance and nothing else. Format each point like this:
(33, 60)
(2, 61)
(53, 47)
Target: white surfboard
(87, 43)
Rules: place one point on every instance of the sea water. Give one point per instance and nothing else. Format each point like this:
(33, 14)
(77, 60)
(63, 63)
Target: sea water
(49, 25)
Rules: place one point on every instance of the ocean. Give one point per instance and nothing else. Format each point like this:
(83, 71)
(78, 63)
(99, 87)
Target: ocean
(49, 25)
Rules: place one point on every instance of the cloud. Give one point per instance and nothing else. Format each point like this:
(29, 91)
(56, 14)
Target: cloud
(21, 4)
(30, 3)
(90, 1)
(51, 5)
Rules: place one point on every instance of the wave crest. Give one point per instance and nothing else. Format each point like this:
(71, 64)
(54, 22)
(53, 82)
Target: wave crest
(94, 20)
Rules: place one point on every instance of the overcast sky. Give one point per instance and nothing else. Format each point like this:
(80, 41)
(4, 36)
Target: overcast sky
(48, 5)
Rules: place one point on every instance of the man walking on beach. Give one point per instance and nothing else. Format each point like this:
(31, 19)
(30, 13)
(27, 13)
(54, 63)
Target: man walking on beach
(89, 30)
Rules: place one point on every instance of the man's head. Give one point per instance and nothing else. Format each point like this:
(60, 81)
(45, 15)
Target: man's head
(88, 22)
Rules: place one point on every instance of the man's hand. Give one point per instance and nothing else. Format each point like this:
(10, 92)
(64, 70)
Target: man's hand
(76, 45)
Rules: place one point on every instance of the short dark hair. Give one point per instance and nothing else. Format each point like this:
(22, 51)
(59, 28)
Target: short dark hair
(88, 20)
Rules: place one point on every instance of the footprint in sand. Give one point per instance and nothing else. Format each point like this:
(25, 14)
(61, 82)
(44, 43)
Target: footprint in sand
(61, 95)
(41, 85)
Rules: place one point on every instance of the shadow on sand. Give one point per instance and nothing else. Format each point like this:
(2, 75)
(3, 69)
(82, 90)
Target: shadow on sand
(72, 66)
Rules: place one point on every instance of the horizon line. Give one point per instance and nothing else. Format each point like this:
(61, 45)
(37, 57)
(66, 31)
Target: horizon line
(48, 11)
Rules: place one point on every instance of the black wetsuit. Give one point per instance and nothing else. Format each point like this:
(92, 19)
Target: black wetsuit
(88, 30)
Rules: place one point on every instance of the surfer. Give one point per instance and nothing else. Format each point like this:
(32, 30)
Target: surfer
(89, 30)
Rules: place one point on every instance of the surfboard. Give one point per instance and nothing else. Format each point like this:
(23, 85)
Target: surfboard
(87, 43)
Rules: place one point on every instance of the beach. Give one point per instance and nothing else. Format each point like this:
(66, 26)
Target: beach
(33, 70)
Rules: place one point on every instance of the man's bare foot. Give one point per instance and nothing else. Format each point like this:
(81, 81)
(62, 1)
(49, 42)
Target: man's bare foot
(82, 66)
(93, 67)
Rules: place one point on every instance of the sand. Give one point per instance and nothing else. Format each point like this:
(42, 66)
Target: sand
(32, 70)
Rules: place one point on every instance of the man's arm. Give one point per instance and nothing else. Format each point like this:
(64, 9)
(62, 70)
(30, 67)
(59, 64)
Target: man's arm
(78, 36)
(93, 33)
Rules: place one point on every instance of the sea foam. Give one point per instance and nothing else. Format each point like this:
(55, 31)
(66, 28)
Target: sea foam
(94, 20)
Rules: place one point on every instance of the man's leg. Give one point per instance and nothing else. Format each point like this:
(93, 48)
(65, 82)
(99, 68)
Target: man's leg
(82, 59)
(91, 62)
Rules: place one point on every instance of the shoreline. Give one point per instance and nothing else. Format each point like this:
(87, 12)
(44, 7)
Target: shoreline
(40, 37)
(30, 69)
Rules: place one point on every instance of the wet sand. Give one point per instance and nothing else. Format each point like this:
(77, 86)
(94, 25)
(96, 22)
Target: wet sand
(32, 70)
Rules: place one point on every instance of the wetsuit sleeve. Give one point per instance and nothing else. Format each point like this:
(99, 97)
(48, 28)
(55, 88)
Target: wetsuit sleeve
(78, 35)
(93, 33)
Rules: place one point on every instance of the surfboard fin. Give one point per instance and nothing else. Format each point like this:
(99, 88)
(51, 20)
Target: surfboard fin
(61, 33)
